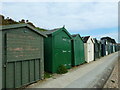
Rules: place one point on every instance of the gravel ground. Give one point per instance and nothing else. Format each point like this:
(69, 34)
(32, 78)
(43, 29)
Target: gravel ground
(112, 82)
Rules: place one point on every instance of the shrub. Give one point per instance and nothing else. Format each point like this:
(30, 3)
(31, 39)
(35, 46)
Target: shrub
(62, 69)
(47, 75)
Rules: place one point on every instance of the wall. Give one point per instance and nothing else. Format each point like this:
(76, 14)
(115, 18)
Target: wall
(86, 53)
(0, 60)
(62, 50)
(26, 64)
(90, 50)
(57, 51)
(82, 55)
(42, 59)
(48, 54)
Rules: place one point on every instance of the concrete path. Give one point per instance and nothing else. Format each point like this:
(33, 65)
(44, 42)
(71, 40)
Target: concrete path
(90, 75)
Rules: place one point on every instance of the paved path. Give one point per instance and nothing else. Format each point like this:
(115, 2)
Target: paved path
(112, 82)
(84, 76)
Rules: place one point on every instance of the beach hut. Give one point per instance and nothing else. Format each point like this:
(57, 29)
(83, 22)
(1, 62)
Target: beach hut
(89, 48)
(96, 49)
(58, 48)
(100, 49)
(103, 52)
(78, 50)
(113, 48)
(105, 47)
(21, 59)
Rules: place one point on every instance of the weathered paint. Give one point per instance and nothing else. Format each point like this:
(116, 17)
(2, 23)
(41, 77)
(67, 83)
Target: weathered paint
(78, 50)
(103, 50)
(96, 49)
(89, 50)
(0, 60)
(105, 47)
(48, 53)
(100, 49)
(57, 50)
(23, 57)
(113, 47)
(109, 51)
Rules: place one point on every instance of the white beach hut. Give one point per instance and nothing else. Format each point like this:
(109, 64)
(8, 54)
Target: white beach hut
(89, 48)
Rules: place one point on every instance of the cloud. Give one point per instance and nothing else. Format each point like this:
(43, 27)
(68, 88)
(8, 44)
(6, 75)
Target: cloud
(113, 35)
(0, 7)
(60, 0)
(76, 16)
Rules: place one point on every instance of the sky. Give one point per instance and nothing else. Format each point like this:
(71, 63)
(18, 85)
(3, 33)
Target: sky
(96, 18)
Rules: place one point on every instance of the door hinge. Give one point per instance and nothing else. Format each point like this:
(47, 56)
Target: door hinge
(4, 65)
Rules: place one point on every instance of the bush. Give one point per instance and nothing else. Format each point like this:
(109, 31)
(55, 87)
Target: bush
(47, 75)
(62, 69)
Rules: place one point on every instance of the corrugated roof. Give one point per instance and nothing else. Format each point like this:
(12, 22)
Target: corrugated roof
(4, 27)
(85, 39)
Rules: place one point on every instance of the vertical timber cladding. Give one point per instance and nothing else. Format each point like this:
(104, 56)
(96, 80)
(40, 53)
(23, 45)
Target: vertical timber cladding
(48, 54)
(78, 50)
(100, 50)
(62, 50)
(24, 57)
(96, 49)
(58, 48)
(103, 48)
(0, 60)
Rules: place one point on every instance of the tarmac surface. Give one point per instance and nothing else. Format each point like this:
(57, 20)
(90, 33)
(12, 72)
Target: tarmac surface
(112, 81)
(89, 75)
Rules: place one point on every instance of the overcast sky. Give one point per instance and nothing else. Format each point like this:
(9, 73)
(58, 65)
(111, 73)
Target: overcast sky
(97, 19)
